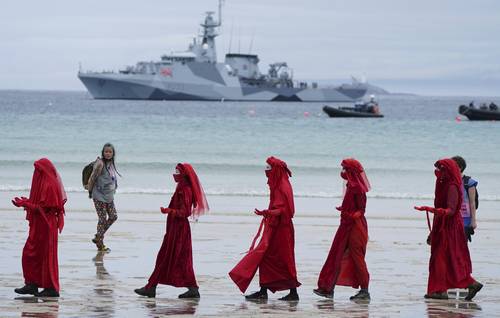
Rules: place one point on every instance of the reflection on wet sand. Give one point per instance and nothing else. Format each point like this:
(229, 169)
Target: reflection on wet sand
(101, 285)
(325, 305)
(100, 270)
(355, 309)
(289, 306)
(452, 308)
(39, 307)
(352, 309)
(159, 307)
(104, 286)
(266, 306)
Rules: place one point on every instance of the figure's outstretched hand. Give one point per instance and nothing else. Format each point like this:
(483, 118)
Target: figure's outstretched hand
(16, 201)
(168, 211)
(259, 212)
(20, 202)
(424, 208)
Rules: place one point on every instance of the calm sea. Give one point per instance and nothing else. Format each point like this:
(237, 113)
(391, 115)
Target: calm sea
(228, 143)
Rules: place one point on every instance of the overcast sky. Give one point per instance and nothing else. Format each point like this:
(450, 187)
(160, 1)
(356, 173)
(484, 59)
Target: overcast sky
(426, 46)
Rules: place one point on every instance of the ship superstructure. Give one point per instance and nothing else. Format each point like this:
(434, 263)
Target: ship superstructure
(195, 74)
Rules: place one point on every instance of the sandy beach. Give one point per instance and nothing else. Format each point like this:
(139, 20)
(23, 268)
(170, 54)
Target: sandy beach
(101, 285)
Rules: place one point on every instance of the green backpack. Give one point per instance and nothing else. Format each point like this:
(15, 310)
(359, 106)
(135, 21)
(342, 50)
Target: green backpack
(86, 173)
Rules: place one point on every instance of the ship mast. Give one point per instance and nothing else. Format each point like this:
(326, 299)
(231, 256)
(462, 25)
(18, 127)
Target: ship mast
(208, 50)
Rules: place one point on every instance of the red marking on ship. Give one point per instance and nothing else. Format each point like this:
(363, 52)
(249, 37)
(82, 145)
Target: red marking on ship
(167, 71)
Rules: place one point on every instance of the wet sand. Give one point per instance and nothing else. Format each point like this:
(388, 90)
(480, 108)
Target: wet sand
(101, 285)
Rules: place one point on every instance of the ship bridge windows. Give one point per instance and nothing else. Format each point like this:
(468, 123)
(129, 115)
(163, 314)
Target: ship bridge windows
(169, 59)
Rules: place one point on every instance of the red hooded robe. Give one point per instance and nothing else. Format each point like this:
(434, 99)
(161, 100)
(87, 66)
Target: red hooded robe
(45, 215)
(345, 264)
(450, 264)
(174, 263)
(274, 256)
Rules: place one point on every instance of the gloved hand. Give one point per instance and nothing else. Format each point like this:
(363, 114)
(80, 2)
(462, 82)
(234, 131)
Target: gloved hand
(167, 210)
(437, 211)
(18, 202)
(259, 212)
(23, 202)
(423, 208)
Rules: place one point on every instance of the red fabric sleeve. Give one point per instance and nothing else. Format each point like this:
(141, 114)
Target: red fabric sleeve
(452, 200)
(186, 202)
(360, 201)
(278, 202)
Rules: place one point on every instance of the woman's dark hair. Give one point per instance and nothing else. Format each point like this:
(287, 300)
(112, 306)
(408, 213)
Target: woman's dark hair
(460, 162)
(110, 145)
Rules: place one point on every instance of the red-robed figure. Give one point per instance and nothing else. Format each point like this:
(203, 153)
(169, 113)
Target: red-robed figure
(345, 264)
(274, 254)
(45, 214)
(174, 263)
(450, 264)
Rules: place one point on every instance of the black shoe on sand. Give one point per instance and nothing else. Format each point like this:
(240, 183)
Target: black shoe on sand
(192, 292)
(28, 289)
(443, 295)
(292, 296)
(363, 294)
(323, 293)
(260, 295)
(151, 292)
(473, 290)
(48, 292)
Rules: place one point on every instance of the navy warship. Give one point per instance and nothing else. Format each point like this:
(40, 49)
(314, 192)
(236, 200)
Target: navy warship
(196, 74)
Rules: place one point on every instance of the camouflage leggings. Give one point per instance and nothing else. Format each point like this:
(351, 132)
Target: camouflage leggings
(107, 216)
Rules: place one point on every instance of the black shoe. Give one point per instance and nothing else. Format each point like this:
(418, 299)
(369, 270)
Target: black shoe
(192, 292)
(257, 296)
(28, 289)
(473, 290)
(323, 293)
(48, 292)
(443, 295)
(290, 297)
(151, 292)
(361, 295)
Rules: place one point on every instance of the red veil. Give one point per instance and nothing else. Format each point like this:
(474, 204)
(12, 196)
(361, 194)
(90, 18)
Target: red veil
(279, 179)
(356, 177)
(200, 204)
(47, 190)
(450, 175)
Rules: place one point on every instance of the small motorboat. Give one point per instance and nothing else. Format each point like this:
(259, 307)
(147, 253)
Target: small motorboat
(371, 111)
(479, 113)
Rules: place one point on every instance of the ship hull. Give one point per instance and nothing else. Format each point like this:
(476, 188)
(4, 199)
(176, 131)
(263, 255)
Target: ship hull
(479, 114)
(344, 113)
(151, 87)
